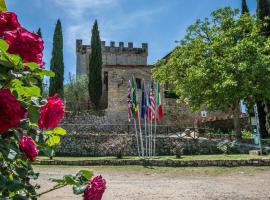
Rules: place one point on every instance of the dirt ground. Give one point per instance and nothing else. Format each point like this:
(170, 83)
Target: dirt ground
(138, 183)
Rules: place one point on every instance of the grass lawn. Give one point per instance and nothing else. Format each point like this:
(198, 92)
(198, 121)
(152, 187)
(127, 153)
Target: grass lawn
(196, 157)
(211, 171)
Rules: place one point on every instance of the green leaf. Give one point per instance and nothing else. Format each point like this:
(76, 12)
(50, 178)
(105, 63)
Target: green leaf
(47, 73)
(69, 180)
(33, 66)
(34, 114)
(59, 131)
(3, 45)
(53, 141)
(22, 172)
(86, 174)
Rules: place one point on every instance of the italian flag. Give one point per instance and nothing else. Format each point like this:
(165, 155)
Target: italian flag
(158, 103)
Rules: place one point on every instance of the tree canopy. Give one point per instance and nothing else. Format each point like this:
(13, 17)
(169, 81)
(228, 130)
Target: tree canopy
(222, 60)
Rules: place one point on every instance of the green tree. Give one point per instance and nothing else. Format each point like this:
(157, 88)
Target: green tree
(76, 90)
(263, 14)
(39, 32)
(221, 61)
(244, 7)
(95, 67)
(57, 63)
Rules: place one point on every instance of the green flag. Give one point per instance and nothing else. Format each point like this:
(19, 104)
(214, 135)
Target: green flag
(134, 99)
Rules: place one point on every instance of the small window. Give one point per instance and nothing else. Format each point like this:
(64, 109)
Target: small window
(139, 83)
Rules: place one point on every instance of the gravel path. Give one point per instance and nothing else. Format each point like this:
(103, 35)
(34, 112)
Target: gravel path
(153, 185)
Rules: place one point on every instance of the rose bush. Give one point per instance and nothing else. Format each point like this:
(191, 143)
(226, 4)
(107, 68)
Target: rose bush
(28, 123)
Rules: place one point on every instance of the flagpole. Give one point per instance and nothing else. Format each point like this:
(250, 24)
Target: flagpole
(137, 139)
(155, 134)
(140, 128)
(145, 129)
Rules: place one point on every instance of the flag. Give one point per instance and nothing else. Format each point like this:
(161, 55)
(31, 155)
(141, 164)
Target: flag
(143, 102)
(159, 104)
(152, 102)
(129, 101)
(134, 100)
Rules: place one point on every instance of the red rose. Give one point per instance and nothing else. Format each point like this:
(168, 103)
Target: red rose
(28, 147)
(51, 113)
(11, 111)
(28, 45)
(8, 22)
(95, 189)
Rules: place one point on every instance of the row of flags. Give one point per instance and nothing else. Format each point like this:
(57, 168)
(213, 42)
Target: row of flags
(151, 106)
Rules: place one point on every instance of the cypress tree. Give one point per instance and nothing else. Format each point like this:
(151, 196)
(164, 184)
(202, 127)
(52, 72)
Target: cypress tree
(263, 14)
(244, 7)
(39, 32)
(95, 67)
(40, 82)
(57, 63)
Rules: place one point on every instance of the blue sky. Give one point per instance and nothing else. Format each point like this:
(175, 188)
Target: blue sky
(158, 22)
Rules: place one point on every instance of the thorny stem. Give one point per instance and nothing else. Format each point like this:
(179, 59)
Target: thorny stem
(50, 190)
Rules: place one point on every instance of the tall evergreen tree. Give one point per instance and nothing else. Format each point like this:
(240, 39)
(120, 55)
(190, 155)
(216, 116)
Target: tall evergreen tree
(40, 82)
(95, 67)
(57, 63)
(39, 32)
(263, 14)
(244, 7)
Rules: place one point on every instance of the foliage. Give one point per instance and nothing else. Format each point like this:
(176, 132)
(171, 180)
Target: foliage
(246, 134)
(95, 64)
(57, 63)
(178, 149)
(20, 142)
(226, 146)
(222, 60)
(76, 91)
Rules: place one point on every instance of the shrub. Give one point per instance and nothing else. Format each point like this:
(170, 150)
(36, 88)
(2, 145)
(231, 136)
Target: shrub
(226, 146)
(246, 134)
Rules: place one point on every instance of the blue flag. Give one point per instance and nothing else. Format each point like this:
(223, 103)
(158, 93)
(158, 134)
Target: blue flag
(143, 104)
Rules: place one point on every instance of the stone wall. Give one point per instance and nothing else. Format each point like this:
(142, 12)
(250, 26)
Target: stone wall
(161, 163)
(93, 145)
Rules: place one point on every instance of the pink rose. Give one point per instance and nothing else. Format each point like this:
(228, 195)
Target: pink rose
(8, 22)
(28, 45)
(95, 189)
(28, 147)
(11, 111)
(51, 113)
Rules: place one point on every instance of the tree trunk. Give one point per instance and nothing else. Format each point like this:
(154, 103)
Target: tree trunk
(236, 120)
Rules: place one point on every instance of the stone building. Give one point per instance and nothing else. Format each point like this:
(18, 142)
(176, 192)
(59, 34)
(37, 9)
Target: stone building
(120, 64)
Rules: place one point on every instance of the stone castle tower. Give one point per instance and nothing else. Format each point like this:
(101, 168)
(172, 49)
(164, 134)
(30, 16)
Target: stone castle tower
(120, 64)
